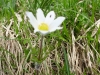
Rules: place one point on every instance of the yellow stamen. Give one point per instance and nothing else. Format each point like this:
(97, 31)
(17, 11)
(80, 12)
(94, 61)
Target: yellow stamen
(43, 26)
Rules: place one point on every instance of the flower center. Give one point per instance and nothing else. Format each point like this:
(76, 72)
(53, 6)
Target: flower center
(43, 27)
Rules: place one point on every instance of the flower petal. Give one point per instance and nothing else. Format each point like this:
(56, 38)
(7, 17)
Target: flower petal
(56, 23)
(36, 30)
(43, 32)
(40, 16)
(32, 19)
(59, 28)
(50, 17)
(54, 29)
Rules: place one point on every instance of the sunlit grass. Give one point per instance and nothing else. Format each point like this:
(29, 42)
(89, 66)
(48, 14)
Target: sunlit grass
(74, 50)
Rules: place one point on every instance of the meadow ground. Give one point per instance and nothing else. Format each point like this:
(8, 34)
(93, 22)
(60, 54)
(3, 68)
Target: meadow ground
(73, 50)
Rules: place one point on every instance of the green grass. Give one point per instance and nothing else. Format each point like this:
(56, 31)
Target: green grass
(74, 50)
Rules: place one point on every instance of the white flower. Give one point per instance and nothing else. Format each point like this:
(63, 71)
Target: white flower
(44, 24)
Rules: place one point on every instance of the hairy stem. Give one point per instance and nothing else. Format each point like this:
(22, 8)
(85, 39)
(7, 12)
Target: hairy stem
(39, 57)
(40, 52)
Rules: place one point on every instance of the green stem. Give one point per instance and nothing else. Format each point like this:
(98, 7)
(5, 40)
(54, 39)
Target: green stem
(40, 52)
(39, 57)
